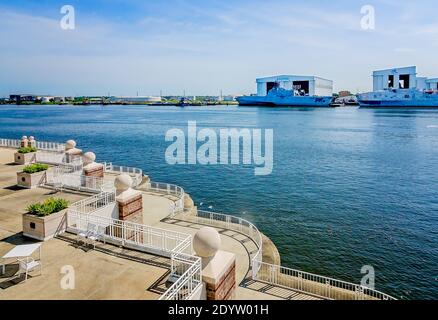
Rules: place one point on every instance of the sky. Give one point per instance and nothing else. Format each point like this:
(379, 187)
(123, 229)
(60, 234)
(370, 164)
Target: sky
(130, 47)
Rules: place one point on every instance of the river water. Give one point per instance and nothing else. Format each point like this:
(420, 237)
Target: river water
(349, 188)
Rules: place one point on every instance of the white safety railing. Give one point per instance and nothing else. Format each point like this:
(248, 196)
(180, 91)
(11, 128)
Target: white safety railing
(308, 283)
(49, 157)
(10, 143)
(228, 222)
(187, 269)
(50, 146)
(61, 178)
(135, 173)
(40, 145)
(60, 159)
(94, 204)
(319, 286)
(130, 235)
(169, 189)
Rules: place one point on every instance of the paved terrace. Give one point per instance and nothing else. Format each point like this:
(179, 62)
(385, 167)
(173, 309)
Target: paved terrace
(108, 272)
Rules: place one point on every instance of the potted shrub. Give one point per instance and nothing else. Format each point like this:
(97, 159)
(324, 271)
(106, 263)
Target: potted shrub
(32, 176)
(45, 220)
(25, 155)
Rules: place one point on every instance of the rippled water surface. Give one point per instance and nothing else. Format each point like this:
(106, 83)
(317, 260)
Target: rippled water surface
(350, 187)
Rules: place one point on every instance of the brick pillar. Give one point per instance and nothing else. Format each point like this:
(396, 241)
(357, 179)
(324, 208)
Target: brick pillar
(219, 276)
(130, 205)
(131, 208)
(94, 170)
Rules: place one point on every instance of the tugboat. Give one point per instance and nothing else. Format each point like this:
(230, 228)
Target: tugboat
(291, 91)
(400, 88)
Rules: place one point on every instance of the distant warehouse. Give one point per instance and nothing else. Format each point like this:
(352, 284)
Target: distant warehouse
(136, 99)
(301, 85)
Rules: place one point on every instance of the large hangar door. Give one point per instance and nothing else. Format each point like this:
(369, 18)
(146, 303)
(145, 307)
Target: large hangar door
(270, 86)
(301, 86)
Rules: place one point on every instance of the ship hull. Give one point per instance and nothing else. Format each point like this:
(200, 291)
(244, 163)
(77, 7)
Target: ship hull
(287, 101)
(398, 104)
(398, 99)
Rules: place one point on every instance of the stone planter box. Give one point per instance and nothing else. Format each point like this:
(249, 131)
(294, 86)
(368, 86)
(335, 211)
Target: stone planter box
(44, 228)
(31, 180)
(24, 158)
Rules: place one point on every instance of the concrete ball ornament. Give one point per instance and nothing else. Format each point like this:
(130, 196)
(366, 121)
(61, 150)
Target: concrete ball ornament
(123, 182)
(89, 157)
(70, 144)
(206, 242)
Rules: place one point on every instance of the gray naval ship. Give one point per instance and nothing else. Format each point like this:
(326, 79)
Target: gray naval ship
(400, 88)
(292, 91)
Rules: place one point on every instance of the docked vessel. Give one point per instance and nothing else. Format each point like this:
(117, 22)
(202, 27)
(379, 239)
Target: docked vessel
(288, 90)
(184, 102)
(400, 88)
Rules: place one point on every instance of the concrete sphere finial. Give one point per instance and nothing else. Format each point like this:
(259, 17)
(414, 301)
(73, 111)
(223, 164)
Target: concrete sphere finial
(123, 182)
(88, 157)
(70, 144)
(24, 138)
(206, 242)
(31, 138)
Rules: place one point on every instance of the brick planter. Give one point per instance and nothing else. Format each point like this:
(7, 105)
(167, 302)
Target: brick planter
(24, 158)
(31, 180)
(44, 228)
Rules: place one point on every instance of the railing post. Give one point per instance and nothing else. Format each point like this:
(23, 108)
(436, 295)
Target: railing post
(328, 288)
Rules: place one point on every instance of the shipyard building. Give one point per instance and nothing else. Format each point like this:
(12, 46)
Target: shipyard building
(301, 85)
(402, 78)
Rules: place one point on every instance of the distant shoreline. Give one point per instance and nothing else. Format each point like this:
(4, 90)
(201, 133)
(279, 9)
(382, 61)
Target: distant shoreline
(188, 104)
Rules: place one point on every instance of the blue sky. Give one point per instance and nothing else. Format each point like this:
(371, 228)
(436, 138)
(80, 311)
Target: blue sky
(124, 47)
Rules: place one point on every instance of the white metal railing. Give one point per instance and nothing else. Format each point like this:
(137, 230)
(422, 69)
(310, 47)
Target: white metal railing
(40, 145)
(65, 177)
(319, 286)
(187, 269)
(131, 235)
(95, 203)
(10, 143)
(50, 157)
(169, 189)
(50, 146)
(232, 223)
(135, 173)
(316, 285)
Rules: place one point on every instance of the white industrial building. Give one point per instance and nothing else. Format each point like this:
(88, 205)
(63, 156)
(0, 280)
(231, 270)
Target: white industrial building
(301, 85)
(136, 99)
(402, 78)
(432, 84)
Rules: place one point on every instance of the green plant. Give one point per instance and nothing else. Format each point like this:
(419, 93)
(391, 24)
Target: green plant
(36, 167)
(27, 150)
(48, 207)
